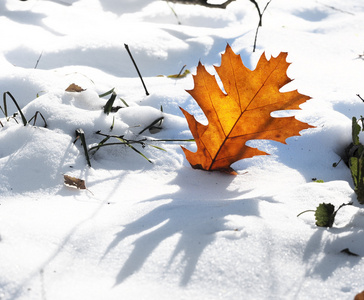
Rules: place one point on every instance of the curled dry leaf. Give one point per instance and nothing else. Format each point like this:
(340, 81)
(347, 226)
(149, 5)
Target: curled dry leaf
(74, 88)
(243, 113)
(74, 182)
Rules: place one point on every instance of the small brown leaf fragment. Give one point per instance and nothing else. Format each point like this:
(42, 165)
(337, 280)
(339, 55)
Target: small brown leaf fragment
(74, 182)
(74, 88)
(359, 296)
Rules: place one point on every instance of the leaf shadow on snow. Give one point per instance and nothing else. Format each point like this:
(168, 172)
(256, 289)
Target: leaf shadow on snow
(196, 212)
(323, 252)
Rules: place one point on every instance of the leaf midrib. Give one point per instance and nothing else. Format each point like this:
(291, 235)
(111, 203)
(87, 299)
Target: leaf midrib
(246, 108)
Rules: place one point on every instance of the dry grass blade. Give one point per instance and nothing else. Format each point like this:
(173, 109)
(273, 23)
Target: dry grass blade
(5, 111)
(107, 93)
(35, 118)
(152, 125)
(81, 135)
(108, 106)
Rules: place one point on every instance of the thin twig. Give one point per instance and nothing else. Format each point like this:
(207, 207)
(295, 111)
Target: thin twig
(173, 140)
(258, 10)
(174, 12)
(40, 56)
(136, 67)
(180, 72)
(141, 141)
(265, 8)
(260, 20)
(337, 9)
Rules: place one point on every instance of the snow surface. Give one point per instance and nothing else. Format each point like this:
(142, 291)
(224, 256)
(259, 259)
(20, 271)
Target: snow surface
(165, 230)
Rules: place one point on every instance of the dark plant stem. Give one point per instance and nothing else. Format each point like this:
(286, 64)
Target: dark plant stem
(309, 210)
(260, 20)
(136, 67)
(180, 72)
(5, 111)
(80, 134)
(35, 118)
(174, 12)
(360, 97)
(40, 56)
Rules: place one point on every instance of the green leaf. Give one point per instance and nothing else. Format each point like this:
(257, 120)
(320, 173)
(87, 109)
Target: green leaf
(355, 154)
(140, 153)
(80, 134)
(99, 145)
(150, 126)
(357, 172)
(180, 75)
(109, 104)
(107, 93)
(126, 104)
(156, 147)
(325, 215)
(355, 131)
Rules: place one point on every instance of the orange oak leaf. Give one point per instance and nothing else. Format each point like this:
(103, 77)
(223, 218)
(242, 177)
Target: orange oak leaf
(359, 296)
(243, 112)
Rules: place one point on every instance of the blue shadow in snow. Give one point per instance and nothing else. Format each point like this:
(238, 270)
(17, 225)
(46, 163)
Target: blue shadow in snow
(26, 17)
(312, 15)
(349, 237)
(192, 214)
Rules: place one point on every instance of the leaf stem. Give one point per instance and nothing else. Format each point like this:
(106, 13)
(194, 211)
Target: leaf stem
(309, 210)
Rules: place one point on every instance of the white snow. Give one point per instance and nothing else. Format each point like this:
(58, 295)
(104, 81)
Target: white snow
(165, 230)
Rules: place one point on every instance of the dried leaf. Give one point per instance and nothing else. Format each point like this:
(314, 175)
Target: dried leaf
(74, 88)
(359, 296)
(243, 113)
(74, 182)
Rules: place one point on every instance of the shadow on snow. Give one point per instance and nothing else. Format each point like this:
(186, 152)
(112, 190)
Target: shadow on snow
(197, 215)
